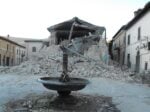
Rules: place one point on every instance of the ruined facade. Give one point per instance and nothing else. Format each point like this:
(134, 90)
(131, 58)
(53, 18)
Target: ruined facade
(79, 28)
(82, 38)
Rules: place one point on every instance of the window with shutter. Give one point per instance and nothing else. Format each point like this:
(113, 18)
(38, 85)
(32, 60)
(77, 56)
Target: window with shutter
(148, 45)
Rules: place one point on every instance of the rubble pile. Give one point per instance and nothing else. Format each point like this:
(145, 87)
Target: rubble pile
(52, 103)
(99, 69)
(49, 62)
(41, 63)
(143, 77)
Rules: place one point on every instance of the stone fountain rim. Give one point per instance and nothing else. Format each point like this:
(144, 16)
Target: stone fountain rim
(82, 81)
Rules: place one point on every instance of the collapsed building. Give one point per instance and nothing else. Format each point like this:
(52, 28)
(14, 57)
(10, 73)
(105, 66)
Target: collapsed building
(79, 36)
(48, 61)
(77, 27)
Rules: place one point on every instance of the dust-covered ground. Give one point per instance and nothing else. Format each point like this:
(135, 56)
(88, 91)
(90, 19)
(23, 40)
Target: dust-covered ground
(53, 103)
(126, 97)
(117, 87)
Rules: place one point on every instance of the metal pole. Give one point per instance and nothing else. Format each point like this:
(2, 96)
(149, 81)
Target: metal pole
(70, 34)
(65, 63)
(64, 77)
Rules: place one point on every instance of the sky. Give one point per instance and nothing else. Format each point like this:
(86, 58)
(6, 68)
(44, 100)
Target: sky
(31, 18)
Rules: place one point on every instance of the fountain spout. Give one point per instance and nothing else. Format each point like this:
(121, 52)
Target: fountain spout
(64, 76)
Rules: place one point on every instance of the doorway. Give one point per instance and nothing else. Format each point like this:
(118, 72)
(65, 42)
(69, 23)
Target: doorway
(137, 65)
(7, 61)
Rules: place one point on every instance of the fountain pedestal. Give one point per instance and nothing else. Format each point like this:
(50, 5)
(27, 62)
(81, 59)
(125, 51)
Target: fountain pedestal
(64, 84)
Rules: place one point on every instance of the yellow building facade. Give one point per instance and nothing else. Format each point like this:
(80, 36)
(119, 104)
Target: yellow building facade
(7, 51)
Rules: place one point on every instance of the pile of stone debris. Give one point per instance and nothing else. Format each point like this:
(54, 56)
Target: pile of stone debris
(49, 62)
(52, 103)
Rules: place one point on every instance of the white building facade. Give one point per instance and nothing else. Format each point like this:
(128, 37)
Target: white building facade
(137, 55)
(20, 52)
(33, 47)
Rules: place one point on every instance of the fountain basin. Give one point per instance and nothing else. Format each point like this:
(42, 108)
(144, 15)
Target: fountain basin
(63, 88)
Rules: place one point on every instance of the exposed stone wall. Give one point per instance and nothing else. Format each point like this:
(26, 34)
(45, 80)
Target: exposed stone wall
(52, 38)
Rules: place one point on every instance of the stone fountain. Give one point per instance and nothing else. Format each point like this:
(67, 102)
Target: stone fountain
(64, 84)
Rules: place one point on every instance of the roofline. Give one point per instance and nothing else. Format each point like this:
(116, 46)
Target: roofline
(6, 39)
(34, 41)
(51, 28)
(140, 15)
(122, 28)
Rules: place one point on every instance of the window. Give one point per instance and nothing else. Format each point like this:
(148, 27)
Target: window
(128, 57)
(146, 65)
(139, 33)
(33, 49)
(7, 47)
(128, 39)
(10, 48)
(124, 39)
(148, 45)
(13, 49)
(128, 61)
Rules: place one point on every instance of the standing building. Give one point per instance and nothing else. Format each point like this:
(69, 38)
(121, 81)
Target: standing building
(137, 55)
(32, 47)
(119, 44)
(8, 52)
(20, 54)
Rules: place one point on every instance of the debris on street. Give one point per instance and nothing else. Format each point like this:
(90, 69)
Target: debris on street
(49, 62)
(52, 103)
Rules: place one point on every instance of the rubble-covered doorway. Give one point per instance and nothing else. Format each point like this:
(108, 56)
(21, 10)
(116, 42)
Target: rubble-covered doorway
(137, 65)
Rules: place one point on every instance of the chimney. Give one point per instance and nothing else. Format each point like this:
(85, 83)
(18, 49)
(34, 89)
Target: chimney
(8, 36)
(137, 12)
